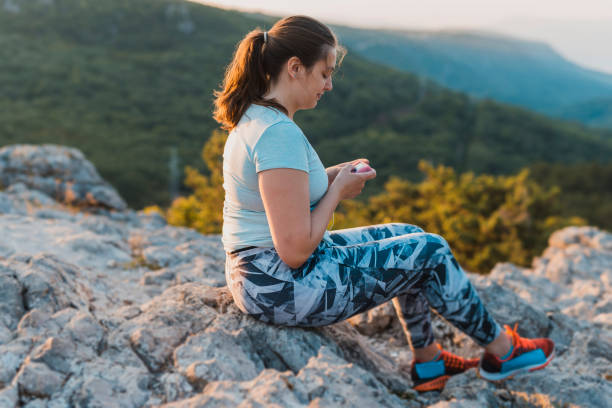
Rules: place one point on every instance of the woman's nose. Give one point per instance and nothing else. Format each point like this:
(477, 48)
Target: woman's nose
(328, 85)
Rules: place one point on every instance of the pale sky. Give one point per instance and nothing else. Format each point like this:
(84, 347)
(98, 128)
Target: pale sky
(581, 31)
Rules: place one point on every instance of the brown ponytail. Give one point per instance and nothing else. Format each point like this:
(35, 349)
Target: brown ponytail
(256, 63)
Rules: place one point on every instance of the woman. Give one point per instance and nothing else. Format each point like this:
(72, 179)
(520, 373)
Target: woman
(285, 268)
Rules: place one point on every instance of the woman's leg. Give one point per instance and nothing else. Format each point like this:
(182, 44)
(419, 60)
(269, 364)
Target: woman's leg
(411, 307)
(359, 235)
(347, 276)
(366, 274)
(339, 281)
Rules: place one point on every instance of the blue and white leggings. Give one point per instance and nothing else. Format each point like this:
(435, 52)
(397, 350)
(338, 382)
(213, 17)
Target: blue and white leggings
(353, 270)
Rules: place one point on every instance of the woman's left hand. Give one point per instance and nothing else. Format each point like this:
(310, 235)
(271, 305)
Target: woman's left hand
(333, 171)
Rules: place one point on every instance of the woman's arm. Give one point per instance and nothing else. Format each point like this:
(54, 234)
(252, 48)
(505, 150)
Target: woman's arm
(296, 231)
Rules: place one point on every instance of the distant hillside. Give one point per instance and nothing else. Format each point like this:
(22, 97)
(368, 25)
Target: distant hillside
(483, 64)
(595, 112)
(128, 83)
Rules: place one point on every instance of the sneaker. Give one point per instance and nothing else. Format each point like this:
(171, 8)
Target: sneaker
(433, 375)
(527, 355)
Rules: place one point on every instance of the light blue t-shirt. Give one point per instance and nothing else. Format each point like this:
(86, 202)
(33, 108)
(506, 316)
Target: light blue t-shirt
(263, 139)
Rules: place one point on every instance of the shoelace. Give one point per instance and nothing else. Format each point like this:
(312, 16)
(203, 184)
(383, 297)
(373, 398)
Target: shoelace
(520, 344)
(452, 361)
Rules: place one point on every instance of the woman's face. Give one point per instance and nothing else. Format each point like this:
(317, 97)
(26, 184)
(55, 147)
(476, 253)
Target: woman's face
(318, 81)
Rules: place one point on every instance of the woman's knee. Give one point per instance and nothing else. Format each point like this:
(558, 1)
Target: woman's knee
(404, 227)
(436, 238)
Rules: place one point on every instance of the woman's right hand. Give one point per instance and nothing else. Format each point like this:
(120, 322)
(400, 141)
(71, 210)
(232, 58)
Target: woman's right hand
(348, 184)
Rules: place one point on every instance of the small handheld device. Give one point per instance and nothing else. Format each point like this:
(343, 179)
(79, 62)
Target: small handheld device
(361, 168)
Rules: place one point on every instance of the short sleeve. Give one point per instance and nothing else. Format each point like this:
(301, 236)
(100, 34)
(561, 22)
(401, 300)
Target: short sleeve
(281, 145)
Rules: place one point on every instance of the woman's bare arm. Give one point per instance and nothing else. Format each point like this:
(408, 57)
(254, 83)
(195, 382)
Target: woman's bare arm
(296, 231)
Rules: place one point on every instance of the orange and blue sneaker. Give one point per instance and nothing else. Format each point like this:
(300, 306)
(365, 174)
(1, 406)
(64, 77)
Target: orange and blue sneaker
(525, 355)
(433, 375)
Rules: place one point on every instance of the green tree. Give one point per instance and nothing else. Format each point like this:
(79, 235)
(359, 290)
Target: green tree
(203, 210)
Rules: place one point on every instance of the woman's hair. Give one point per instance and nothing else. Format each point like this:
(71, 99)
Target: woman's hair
(256, 63)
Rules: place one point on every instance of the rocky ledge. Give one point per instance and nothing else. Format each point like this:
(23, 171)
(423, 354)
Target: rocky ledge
(102, 306)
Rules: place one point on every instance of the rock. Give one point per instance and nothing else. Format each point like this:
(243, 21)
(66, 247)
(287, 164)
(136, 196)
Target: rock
(531, 288)
(118, 308)
(155, 346)
(6, 250)
(602, 240)
(578, 253)
(158, 277)
(85, 329)
(11, 305)
(508, 308)
(96, 392)
(161, 257)
(356, 349)
(270, 388)
(6, 204)
(572, 235)
(21, 196)
(330, 381)
(562, 390)
(466, 387)
(166, 322)
(201, 269)
(601, 346)
(60, 172)
(375, 321)
(326, 380)
(214, 355)
(49, 283)
(37, 324)
(174, 386)
(562, 331)
(9, 396)
(50, 214)
(5, 334)
(105, 226)
(101, 382)
(37, 380)
(12, 356)
(89, 243)
(150, 221)
(56, 353)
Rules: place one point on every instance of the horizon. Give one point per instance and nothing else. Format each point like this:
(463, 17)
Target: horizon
(574, 31)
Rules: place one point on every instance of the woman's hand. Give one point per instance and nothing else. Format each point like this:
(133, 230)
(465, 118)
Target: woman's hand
(333, 171)
(349, 184)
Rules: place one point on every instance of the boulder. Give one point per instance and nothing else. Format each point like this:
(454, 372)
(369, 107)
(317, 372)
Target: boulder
(60, 172)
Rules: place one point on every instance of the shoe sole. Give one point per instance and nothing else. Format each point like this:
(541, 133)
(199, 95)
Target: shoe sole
(502, 376)
(433, 385)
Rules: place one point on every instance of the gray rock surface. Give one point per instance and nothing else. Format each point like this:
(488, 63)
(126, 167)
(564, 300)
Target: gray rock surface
(62, 173)
(104, 308)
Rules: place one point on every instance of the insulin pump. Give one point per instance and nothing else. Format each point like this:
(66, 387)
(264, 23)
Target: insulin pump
(361, 168)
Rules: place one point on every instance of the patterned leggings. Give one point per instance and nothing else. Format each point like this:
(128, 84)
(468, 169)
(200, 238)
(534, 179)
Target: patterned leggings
(355, 269)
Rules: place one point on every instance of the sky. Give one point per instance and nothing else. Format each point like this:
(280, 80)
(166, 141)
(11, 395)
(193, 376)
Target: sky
(581, 31)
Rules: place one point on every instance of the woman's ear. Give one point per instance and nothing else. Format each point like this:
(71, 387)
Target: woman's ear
(293, 66)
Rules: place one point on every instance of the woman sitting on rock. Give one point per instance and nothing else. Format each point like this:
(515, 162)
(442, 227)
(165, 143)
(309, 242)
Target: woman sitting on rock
(285, 268)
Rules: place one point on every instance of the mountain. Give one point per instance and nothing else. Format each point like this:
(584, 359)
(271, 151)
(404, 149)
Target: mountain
(131, 85)
(490, 65)
(595, 112)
